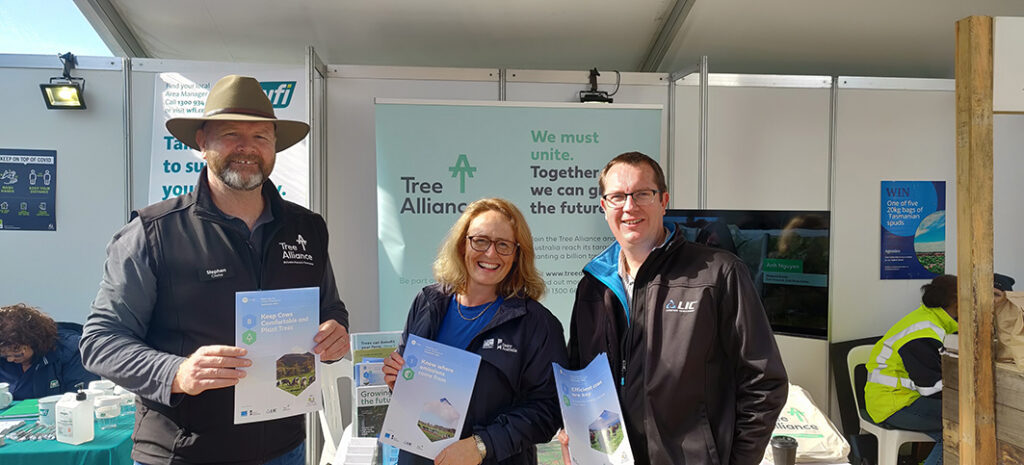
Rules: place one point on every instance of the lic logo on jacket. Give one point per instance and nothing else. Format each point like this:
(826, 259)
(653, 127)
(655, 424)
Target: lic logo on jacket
(682, 306)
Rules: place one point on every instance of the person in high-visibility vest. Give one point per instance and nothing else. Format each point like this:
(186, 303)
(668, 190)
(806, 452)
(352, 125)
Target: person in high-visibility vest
(904, 388)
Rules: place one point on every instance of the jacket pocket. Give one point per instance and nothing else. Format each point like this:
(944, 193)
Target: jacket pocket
(710, 447)
(698, 440)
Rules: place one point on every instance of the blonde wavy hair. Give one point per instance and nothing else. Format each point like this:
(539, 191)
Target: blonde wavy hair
(523, 280)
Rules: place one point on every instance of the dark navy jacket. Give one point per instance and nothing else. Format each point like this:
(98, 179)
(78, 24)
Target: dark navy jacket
(515, 403)
(58, 371)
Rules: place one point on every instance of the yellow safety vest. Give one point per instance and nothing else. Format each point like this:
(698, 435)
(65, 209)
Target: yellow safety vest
(889, 387)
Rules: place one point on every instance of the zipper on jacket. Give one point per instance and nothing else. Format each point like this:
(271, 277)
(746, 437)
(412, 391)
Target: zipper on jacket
(264, 252)
(258, 268)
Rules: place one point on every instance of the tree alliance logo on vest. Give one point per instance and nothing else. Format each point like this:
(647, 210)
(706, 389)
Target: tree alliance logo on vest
(296, 254)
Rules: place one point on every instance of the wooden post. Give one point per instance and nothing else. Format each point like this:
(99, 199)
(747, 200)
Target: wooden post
(974, 238)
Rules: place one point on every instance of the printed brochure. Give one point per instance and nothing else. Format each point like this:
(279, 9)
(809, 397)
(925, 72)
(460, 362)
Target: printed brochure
(371, 407)
(277, 328)
(592, 416)
(431, 397)
(374, 345)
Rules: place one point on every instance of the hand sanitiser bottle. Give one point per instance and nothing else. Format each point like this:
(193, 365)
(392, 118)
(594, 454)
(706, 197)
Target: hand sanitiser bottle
(74, 419)
(108, 409)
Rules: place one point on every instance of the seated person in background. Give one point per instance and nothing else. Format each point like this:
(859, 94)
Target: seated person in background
(40, 357)
(1002, 285)
(904, 388)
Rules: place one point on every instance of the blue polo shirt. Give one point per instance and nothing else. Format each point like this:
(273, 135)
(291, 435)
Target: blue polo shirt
(56, 372)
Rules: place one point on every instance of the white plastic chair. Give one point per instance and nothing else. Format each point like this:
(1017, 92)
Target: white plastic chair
(336, 385)
(889, 440)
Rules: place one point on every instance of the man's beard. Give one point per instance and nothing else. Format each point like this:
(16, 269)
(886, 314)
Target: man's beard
(227, 173)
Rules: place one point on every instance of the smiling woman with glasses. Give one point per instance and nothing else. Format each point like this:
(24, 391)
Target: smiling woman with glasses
(481, 244)
(485, 301)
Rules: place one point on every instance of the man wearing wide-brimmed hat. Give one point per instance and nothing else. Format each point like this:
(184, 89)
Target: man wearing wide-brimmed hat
(162, 324)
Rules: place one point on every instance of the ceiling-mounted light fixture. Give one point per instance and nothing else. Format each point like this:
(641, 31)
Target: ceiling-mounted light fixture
(65, 92)
(594, 95)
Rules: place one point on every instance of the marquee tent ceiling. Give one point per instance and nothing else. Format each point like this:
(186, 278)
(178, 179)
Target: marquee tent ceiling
(911, 38)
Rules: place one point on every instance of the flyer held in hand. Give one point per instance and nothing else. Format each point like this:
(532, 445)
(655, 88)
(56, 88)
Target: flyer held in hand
(277, 328)
(591, 413)
(431, 397)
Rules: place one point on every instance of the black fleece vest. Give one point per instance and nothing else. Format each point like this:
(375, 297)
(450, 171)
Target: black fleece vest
(200, 260)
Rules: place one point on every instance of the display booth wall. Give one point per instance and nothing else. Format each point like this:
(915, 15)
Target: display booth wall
(774, 142)
(59, 271)
(767, 148)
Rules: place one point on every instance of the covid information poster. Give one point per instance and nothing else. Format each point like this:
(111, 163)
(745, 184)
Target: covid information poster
(913, 226)
(28, 190)
(434, 158)
(174, 169)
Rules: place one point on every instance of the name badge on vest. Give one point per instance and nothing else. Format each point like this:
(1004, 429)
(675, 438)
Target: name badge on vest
(215, 273)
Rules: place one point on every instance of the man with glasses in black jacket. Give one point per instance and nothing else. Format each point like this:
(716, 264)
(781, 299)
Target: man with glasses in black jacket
(698, 374)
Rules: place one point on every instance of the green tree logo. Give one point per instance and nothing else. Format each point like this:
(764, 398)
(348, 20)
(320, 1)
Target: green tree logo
(462, 168)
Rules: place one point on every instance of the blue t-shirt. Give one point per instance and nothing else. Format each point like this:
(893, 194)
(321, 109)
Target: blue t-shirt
(59, 371)
(459, 330)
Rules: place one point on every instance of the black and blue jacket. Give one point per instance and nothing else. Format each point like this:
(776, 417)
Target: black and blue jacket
(515, 403)
(700, 378)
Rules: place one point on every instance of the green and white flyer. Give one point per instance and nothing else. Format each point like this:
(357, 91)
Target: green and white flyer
(374, 345)
(277, 328)
(591, 414)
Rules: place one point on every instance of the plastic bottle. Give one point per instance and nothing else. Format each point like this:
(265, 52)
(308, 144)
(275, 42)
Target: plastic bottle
(108, 409)
(74, 419)
(127, 418)
(105, 385)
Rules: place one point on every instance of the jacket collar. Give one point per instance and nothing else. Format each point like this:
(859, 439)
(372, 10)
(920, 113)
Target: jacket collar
(204, 198)
(947, 322)
(605, 266)
(511, 308)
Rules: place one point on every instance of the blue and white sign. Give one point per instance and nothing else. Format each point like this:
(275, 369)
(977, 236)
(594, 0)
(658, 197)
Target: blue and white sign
(28, 190)
(175, 167)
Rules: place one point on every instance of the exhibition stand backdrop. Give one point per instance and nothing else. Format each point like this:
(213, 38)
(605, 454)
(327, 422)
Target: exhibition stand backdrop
(435, 157)
(774, 142)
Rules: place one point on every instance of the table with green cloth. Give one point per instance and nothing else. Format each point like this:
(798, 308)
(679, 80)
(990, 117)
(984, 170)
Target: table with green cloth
(108, 447)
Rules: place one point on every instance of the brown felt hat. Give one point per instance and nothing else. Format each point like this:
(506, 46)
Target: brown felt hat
(238, 98)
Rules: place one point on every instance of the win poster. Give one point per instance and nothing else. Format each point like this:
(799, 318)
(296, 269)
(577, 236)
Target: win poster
(434, 158)
(913, 226)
